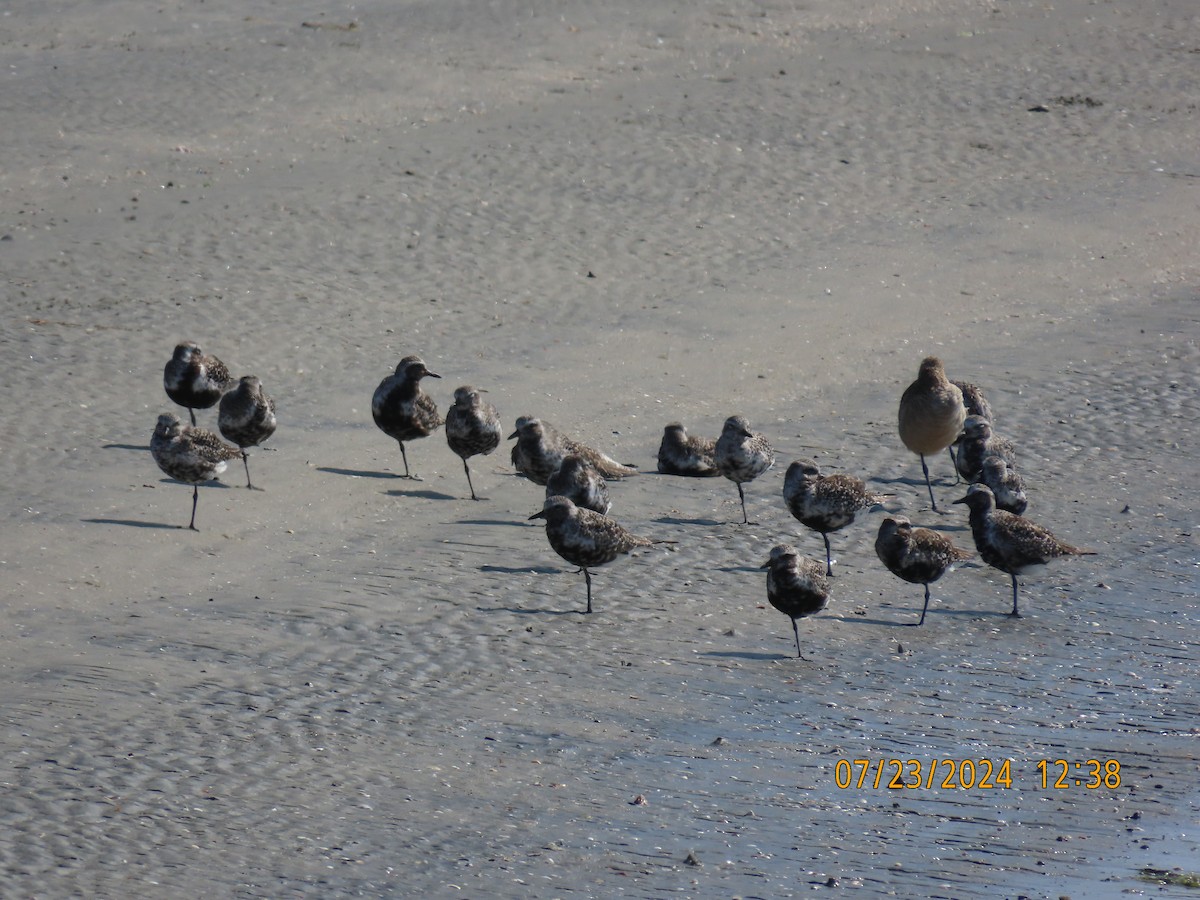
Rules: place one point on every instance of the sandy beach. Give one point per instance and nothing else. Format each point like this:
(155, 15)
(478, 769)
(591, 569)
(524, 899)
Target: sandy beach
(613, 217)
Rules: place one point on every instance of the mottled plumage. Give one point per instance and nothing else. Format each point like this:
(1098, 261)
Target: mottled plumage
(189, 454)
(973, 400)
(586, 538)
(742, 455)
(918, 555)
(796, 586)
(581, 483)
(247, 417)
(1006, 484)
(682, 454)
(931, 415)
(401, 409)
(979, 440)
(194, 380)
(541, 448)
(826, 503)
(1009, 542)
(472, 428)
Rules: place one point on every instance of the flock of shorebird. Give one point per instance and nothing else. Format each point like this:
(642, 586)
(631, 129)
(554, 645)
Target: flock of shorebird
(935, 414)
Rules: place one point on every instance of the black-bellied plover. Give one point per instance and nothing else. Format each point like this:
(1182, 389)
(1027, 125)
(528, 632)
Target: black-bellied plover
(541, 448)
(581, 483)
(1009, 542)
(586, 538)
(195, 380)
(401, 409)
(973, 400)
(796, 586)
(918, 555)
(826, 503)
(1006, 483)
(979, 440)
(189, 454)
(931, 415)
(684, 454)
(246, 416)
(472, 427)
(742, 455)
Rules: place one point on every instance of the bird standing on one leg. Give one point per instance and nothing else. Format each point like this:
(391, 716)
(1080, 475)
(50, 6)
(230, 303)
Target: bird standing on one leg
(189, 454)
(194, 380)
(401, 409)
(742, 455)
(825, 503)
(1009, 542)
(247, 417)
(918, 555)
(585, 538)
(472, 428)
(931, 415)
(796, 586)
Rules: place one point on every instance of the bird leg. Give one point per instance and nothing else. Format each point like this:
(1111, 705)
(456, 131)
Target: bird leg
(467, 469)
(954, 465)
(828, 560)
(246, 463)
(195, 497)
(1015, 614)
(192, 413)
(404, 456)
(742, 497)
(925, 607)
(587, 577)
(928, 483)
(796, 629)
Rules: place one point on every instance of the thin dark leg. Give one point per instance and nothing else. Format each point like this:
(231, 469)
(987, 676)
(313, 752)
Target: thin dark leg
(246, 463)
(1015, 614)
(928, 483)
(195, 497)
(467, 469)
(192, 413)
(828, 558)
(405, 457)
(925, 607)
(587, 576)
(742, 497)
(954, 465)
(796, 630)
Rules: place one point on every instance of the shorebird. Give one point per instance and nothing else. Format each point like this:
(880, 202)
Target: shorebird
(796, 586)
(979, 440)
(826, 503)
(1006, 483)
(581, 483)
(973, 400)
(682, 454)
(194, 380)
(742, 455)
(472, 427)
(189, 454)
(1009, 542)
(586, 538)
(246, 416)
(541, 448)
(918, 555)
(401, 409)
(931, 415)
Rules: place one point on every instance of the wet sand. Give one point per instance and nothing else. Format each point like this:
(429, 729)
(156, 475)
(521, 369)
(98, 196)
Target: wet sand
(611, 217)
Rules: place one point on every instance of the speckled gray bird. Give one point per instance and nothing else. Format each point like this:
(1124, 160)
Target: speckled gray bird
(796, 586)
(188, 454)
(246, 416)
(472, 427)
(402, 410)
(826, 503)
(580, 482)
(741, 455)
(194, 379)
(683, 454)
(917, 555)
(541, 448)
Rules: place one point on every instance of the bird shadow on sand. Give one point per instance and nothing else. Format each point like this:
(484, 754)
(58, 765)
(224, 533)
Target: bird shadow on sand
(530, 612)
(920, 482)
(745, 654)
(511, 522)
(522, 570)
(752, 569)
(145, 447)
(134, 523)
(427, 495)
(673, 520)
(864, 620)
(357, 473)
